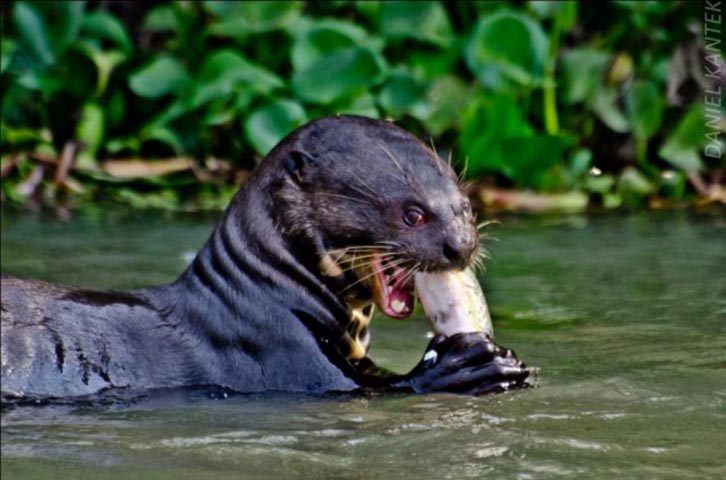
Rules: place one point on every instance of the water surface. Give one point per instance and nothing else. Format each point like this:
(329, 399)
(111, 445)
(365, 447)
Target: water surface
(624, 314)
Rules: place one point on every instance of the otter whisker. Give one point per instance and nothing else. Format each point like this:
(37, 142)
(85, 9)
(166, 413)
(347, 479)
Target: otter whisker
(411, 272)
(366, 185)
(345, 197)
(486, 223)
(339, 254)
(375, 272)
(462, 174)
(439, 162)
(366, 248)
(373, 198)
(357, 261)
(361, 248)
(408, 274)
(396, 162)
(479, 264)
(390, 243)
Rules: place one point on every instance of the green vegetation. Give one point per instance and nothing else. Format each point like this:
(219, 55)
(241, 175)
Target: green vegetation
(597, 103)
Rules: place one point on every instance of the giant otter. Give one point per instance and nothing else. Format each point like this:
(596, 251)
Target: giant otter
(338, 217)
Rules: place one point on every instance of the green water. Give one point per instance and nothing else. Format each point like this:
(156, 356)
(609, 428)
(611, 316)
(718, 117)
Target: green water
(624, 314)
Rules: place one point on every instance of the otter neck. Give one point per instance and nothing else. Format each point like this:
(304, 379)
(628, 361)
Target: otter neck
(247, 258)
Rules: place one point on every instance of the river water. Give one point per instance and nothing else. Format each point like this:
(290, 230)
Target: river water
(624, 314)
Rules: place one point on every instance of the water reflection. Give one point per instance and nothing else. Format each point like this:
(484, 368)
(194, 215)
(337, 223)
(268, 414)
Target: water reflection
(625, 316)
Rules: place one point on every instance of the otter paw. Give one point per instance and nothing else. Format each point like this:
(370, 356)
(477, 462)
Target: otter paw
(467, 363)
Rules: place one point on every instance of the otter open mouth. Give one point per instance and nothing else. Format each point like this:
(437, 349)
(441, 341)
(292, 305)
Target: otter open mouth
(392, 287)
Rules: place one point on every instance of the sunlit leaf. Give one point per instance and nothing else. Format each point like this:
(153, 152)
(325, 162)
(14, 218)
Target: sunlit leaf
(487, 123)
(634, 182)
(101, 24)
(403, 93)
(90, 128)
(267, 125)
(448, 97)
(645, 108)
(162, 76)
(165, 136)
(519, 59)
(316, 39)
(225, 72)
(7, 48)
(345, 70)
(682, 149)
(562, 11)
(599, 184)
(240, 19)
(90, 132)
(362, 104)
(605, 105)
(33, 32)
(160, 19)
(421, 21)
(583, 71)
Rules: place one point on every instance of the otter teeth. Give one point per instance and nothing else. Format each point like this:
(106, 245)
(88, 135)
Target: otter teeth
(398, 306)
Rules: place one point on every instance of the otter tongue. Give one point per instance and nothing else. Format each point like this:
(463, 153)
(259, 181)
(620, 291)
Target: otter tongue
(397, 296)
(400, 299)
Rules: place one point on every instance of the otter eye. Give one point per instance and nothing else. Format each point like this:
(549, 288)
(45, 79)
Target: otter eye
(414, 217)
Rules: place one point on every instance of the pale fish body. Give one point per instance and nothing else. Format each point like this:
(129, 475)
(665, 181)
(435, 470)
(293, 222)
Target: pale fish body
(454, 302)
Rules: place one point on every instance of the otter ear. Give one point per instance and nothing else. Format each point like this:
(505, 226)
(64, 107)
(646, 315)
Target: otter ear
(297, 164)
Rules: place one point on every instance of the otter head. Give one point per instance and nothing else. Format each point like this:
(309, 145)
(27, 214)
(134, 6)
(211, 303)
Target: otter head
(379, 206)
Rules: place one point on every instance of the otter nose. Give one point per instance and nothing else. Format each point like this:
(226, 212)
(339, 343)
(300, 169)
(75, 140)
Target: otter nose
(458, 249)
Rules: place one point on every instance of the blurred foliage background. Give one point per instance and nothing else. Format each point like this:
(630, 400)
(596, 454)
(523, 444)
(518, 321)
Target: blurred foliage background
(545, 105)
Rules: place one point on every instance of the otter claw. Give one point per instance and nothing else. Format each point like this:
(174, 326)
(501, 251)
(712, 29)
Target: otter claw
(467, 363)
(430, 357)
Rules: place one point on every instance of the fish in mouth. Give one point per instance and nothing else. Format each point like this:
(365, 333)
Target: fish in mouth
(452, 300)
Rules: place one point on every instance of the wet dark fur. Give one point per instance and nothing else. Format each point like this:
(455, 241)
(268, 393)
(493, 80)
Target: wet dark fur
(253, 311)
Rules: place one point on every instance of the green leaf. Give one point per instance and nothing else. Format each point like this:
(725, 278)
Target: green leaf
(645, 109)
(363, 104)
(164, 135)
(600, 183)
(507, 46)
(33, 32)
(447, 97)
(100, 24)
(7, 49)
(487, 124)
(160, 19)
(162, 76)
(605, 105)
(90, 132)
(562, 11)
(433, 65)
(339, 74)
(64, 21)
(422, 21)
(634, 182)
(227, 72)
(240, 19)
(403, 94)
(528, 159)
(583, 70)
(317, 39)
(115, 107)
(682, 149)
(105, 60)
(267, 125)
